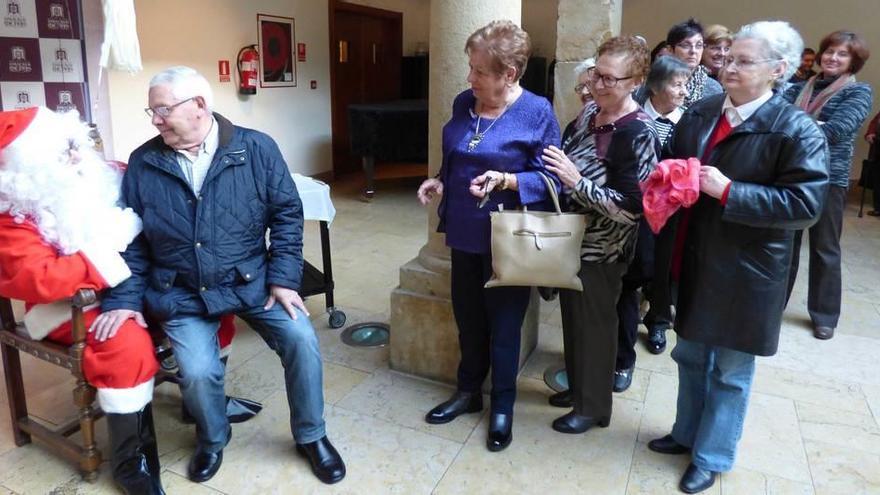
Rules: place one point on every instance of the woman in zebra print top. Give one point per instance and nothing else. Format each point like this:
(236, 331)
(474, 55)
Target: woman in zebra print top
(607, 151)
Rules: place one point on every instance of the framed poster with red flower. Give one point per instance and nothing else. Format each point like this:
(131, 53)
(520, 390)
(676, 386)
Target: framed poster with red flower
(277, 60)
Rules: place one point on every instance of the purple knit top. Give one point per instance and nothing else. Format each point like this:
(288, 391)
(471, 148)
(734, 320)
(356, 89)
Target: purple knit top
(514, 144)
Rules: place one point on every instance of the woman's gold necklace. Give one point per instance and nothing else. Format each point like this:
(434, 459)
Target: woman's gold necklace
(478, 136)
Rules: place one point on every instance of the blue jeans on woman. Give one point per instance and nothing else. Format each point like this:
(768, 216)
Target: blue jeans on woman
(713, 394)
(194, 340)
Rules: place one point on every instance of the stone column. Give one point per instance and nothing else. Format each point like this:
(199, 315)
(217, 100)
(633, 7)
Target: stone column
(424, 337)
(582, 26)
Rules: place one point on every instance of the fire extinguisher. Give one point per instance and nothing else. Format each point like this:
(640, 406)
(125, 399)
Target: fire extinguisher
(248, 65)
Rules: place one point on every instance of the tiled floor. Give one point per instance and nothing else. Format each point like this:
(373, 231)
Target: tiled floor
(813, 424)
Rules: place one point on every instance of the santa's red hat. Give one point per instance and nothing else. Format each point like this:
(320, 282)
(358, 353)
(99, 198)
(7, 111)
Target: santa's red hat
(13, 123)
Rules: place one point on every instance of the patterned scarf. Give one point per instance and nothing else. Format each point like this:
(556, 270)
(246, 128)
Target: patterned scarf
(814, 107)
(695, 86)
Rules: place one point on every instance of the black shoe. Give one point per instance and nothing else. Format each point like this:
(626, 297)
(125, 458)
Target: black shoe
(561, 399)
(460, 403)
(325, 460)
(656, 339)
(823, 333)
(134, 457)
(575, 423)
(623, 379)
(500, 431)
(238, 410)
(696, 479)
(204, 465)
(667, 445)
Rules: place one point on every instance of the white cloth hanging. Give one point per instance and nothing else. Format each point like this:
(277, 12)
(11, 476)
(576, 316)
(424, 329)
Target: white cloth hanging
(121, 50)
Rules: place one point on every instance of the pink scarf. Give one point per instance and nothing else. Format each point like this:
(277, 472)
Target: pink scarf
(672, 184)
(815, 107)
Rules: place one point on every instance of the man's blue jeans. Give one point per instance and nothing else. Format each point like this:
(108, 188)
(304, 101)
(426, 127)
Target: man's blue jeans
(713, 394)
(194, 340)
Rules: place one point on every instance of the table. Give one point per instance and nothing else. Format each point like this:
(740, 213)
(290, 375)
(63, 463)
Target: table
(390, 131)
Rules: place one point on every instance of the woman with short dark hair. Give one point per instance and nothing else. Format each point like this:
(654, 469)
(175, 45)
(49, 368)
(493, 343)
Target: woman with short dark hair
(840, 105)
(686, 40)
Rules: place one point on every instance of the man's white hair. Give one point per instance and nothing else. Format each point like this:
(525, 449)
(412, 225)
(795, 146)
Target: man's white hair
(781, 42)
(185, 82)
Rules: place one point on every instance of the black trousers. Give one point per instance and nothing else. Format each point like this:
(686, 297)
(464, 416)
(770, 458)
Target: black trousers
(589, 329)
(489, 323)
(628, 325)
(824, 295)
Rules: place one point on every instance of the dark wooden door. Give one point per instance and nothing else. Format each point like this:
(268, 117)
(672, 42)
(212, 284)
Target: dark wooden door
(366, 51)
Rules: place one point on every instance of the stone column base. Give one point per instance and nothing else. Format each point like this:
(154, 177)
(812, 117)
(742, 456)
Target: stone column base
(424, 337)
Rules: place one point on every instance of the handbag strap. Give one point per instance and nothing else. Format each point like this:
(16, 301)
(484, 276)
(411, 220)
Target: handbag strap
(551, 188)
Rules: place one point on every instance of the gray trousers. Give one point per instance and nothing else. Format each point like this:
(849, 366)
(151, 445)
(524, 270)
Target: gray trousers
(823, 299)
(589, 329)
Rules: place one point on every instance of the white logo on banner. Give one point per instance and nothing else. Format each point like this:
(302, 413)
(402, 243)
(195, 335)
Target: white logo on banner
(19, 63)
(57, 20)
(14, 17)
(61, 64)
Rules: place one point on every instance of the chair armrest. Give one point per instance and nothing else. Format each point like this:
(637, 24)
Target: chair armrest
(84, 297)
(81, 299)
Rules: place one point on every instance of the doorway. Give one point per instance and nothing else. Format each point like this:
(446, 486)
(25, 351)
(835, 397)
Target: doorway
(366, 46)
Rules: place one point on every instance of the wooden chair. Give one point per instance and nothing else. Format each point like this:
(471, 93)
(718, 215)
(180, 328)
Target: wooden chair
(12, 341)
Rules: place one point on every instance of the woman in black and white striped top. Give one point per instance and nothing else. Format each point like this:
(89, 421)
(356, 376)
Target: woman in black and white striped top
(665, 94)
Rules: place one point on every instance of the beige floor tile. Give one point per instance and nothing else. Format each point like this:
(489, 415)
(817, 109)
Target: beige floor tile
(33, 468)
(859, 317)
(6, 491)
(845, 358)
(597, 461)
(403, 400)
(657, 363)
(174, 483)
(380, 457)
(659, 412)
(333, 350)
(654, 473)
(263, 376)
(841, 470)
(771, 441)
(744, 481)
(809, 388)
(872, 394)
(854, 431)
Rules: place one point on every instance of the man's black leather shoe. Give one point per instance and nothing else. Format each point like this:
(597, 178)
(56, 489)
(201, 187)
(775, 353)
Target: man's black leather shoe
(575, 423)
(325, 460)
(656, 340)
(696, 479)
(623, 379)
(460, 403)
(561, 399)
(500, 431)
(667, 445)
(204, 465)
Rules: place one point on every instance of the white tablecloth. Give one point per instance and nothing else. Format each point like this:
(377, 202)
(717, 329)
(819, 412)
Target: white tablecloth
(315, 196)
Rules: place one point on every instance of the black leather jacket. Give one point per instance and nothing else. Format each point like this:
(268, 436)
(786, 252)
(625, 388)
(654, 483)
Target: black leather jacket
(736, 257)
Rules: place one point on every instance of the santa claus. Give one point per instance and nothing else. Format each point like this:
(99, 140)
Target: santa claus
(60, 231)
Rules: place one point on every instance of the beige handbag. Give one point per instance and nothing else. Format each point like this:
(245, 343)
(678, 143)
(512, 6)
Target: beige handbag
(537, 248)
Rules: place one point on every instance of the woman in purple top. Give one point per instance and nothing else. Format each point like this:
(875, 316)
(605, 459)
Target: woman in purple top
(492, 144)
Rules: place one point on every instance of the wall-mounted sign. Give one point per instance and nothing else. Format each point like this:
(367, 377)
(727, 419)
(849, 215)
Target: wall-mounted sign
(300, 52)
(223, 70)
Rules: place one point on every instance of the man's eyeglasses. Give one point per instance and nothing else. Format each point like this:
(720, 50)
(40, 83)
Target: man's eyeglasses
(607, 81)
(688, 47)
(165, 111)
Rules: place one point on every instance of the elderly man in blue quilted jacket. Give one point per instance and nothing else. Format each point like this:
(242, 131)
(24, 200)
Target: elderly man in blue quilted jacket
(207, 192)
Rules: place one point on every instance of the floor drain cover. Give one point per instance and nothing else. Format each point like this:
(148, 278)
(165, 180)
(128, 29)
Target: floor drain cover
(369, 334)
(555, 377)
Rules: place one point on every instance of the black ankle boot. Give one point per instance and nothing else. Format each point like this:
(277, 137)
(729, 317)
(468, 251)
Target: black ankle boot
(134, 456)
(500, 431)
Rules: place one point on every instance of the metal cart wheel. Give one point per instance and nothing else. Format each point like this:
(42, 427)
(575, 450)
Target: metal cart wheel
(337, 318)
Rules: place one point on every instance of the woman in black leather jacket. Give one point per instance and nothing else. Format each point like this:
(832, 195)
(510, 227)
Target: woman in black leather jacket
(765, 175)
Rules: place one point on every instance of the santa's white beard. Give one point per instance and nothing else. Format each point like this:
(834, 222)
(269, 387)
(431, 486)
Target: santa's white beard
(72, 205)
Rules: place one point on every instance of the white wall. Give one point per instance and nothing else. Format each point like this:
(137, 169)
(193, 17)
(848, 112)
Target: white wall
(198, 33)
(812, 18)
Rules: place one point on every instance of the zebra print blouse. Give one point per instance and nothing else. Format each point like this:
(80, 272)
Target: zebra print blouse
(612, 160)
